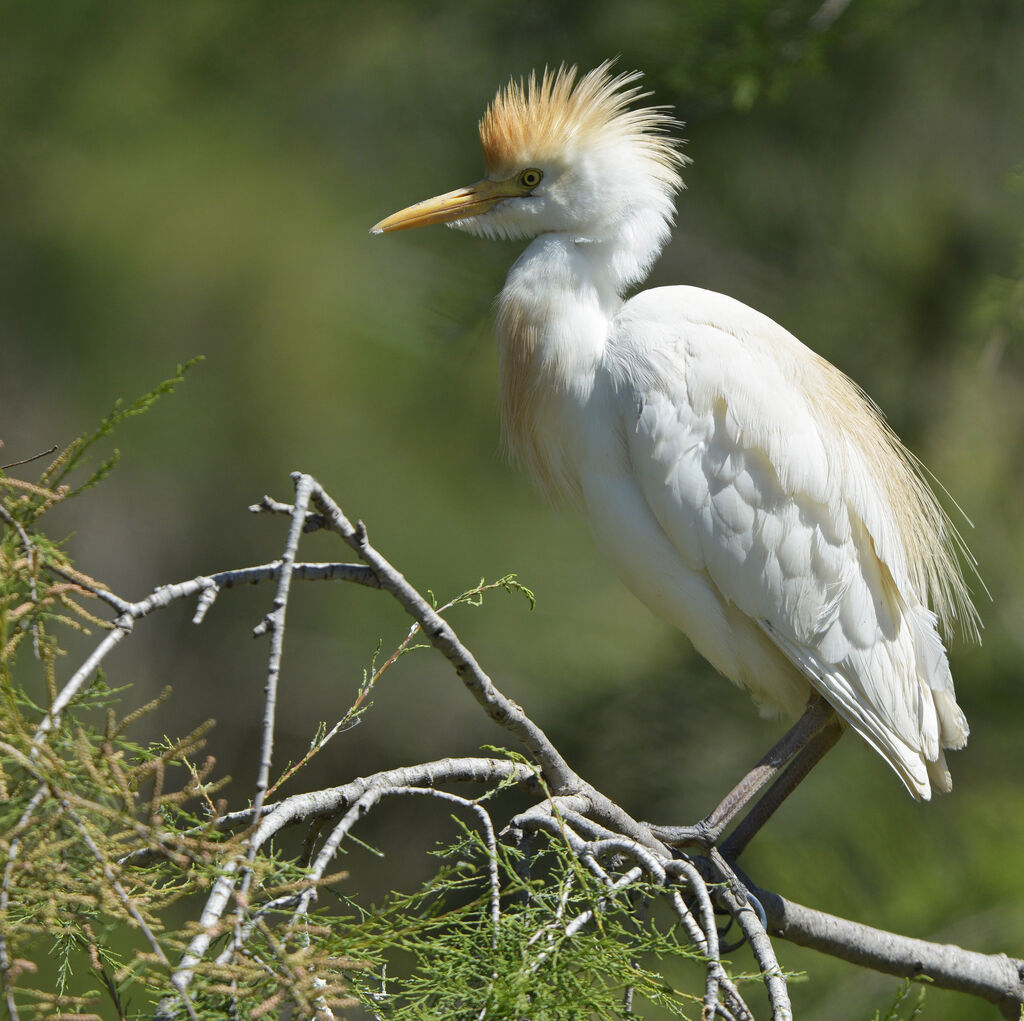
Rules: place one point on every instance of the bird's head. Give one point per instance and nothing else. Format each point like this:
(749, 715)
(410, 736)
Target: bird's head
(565, 156)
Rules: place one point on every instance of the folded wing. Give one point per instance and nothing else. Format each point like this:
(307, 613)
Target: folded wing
(767, 469)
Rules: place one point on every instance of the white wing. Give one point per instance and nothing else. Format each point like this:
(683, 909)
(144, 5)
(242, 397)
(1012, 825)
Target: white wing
(739, 444)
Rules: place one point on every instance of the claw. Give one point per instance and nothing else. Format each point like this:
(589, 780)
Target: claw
(700, 835)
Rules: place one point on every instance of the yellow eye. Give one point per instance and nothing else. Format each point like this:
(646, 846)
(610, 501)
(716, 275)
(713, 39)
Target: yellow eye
(531, 177)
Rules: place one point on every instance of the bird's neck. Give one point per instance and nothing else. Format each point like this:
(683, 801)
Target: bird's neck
(553, 321)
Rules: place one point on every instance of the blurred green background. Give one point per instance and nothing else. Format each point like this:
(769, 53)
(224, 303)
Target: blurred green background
(198, 178)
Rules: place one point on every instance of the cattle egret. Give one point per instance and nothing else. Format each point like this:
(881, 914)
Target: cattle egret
(744, 488)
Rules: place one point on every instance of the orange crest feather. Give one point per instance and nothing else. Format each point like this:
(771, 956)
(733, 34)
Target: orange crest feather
(534, 121)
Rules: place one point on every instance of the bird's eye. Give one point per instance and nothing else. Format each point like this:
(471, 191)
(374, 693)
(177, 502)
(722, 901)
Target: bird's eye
(531, 177)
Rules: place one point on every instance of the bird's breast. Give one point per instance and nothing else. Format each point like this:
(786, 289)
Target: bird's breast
(555, 396)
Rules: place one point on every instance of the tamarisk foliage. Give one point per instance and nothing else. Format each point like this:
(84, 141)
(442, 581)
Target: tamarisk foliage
(131, 888)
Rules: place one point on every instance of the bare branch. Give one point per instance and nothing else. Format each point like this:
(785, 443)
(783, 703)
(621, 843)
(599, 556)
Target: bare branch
(559, 776)
(437, 631)
(358, 797)
(29, 460)
(164, 595)
(764, 952)
(604, 838)
(997, 978)
(324, 804)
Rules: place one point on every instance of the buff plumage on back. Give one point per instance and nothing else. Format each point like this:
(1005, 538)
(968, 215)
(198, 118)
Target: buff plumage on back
(931, 542)
(555, 117)
(551, 118)
(744, 488)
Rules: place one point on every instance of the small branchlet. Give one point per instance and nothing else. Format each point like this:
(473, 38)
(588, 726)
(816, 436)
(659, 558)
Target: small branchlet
(524, 914)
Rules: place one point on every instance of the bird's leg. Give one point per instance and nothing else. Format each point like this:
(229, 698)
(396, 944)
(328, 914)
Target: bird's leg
(817, 719)
(799, 766)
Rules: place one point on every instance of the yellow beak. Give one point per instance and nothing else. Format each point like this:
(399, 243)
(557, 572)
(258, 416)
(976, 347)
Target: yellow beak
(453, 205)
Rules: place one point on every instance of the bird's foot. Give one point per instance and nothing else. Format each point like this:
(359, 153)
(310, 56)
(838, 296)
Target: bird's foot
(714, 863)
(702, 835)
(745, 898)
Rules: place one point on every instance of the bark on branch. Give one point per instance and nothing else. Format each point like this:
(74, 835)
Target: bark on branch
(603, 835)
(993, 977)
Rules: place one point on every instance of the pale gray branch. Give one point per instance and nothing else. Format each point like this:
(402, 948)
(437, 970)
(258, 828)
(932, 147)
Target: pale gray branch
(440, 634)
(993, 977)
(354, 797)
(164, 595)
(559, 776)
(331, 801)
(598, 832)
(764, 952)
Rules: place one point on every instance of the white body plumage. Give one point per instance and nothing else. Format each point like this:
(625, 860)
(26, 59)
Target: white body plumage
(742, 487)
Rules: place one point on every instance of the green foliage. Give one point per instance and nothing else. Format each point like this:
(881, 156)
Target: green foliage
(75, 806)
(32, 600)
(200, 177)
(909, 997)
(102, 839)
(538, 959)
(76, 454)
(107, 845)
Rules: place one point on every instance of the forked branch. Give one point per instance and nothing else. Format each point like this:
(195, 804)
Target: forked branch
(606, 841)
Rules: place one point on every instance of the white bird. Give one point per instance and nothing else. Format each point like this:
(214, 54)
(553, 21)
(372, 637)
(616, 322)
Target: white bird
(744, 488)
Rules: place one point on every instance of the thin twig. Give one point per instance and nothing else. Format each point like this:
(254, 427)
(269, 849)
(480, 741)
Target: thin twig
(64, 800)
(165, 595)
(29, 460)
(559, 776)
(439, 633)
(735, 896)
(30, 553)
(275, 622)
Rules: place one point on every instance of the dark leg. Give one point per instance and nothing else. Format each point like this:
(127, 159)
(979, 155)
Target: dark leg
(801, 764)
(817, 721)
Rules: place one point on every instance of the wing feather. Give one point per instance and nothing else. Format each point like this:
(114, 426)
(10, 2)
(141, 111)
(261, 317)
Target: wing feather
(768, 470)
